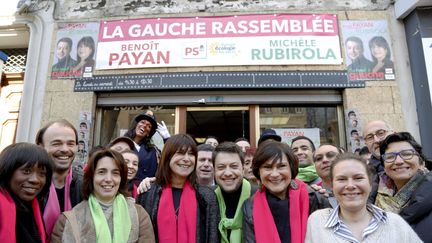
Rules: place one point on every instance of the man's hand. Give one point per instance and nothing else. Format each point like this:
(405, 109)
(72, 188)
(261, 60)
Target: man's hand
(145, 184)
(163, 130)
(320, 190)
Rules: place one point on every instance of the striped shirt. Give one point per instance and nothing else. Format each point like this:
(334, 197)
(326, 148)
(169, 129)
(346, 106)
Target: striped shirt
(339, 228)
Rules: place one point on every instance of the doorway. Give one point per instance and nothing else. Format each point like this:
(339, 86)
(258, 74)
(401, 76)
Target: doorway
(225, 123)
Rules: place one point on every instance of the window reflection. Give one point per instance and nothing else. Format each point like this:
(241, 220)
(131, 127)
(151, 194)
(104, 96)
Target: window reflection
(289, 117)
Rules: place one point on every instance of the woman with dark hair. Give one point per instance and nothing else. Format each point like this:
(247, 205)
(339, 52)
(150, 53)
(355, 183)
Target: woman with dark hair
(131, 159)
(354, 219)
(381, 54)
(405, 186)
(277, 212)
(25, 176)
(105, 214)
(181, 210)
(85, 54)
(141, 130)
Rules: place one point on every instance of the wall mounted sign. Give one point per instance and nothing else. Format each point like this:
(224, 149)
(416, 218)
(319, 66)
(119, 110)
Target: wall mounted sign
(267, 39)
(368, 54)
(217, 80)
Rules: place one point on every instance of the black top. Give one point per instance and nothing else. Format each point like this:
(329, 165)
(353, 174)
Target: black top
(25, 228)
(231, 201)
(176, 197)
(60, 196)
(280, 211)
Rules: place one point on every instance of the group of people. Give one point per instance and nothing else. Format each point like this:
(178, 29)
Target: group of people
(67, 66)
(130, 191)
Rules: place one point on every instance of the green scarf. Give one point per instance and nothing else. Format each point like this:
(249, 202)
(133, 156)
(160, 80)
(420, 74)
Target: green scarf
(235, 224)
(307, 174)
(121, 220)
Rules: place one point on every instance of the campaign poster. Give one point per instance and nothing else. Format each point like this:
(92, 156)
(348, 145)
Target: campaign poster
(83, 129)
(368, 54)
(75, 50)
(354, 129)
(288, 134)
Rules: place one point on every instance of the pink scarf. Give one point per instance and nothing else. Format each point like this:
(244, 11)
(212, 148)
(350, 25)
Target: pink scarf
(52, 208)
(264, 225)
(8, 218)
(183, 229)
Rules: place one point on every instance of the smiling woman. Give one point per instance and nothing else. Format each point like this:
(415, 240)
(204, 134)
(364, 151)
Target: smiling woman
(405, 186)
(181, 210)
(25, 177)
(105, 209)
(280, 197)
(354, 219)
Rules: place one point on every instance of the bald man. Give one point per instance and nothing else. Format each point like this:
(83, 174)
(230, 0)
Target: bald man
(373, 133)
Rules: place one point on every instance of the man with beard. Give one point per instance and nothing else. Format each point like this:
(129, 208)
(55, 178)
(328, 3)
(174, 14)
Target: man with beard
(303, 149)
(59, 138)
(232, 190)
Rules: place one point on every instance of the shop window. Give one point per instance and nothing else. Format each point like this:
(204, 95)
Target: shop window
(116, 120)
(318, 123)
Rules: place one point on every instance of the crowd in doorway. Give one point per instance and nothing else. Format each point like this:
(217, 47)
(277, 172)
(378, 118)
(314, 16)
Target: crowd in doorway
(218, 191)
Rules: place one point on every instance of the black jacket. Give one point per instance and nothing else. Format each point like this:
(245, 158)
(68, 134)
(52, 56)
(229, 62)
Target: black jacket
(316, 201)
(208, 216)
(75, 189)
(418, 211)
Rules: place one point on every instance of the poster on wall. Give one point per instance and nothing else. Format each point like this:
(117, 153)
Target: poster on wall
(288, 134)
(427, 50)
(368, 54)
(354, 130)
(83, 129)
(272, 39)
(75, 50)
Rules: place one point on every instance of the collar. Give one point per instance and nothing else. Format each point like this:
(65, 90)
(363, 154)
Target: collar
(335, 222)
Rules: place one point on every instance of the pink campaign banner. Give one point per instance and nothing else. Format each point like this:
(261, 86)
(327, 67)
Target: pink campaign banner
(224, 26)
(276, 39)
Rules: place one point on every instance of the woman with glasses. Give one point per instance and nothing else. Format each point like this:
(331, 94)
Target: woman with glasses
(405, 186)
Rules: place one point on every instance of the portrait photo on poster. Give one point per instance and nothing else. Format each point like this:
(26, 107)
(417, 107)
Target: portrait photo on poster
(75, 50)
(367, 46)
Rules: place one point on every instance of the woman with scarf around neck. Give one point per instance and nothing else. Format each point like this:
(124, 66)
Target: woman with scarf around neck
(278, 211)
(25, 176)
(106, 214)
(355, 220)
(405, 186)
(181, 210)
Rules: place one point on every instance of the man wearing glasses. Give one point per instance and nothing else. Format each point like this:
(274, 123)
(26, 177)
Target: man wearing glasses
(373, 133)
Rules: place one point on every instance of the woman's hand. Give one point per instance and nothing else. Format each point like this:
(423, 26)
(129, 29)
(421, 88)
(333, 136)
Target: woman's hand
(145, 184)
(163, 130)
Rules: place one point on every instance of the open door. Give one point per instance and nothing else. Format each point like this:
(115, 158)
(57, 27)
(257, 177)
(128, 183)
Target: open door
(225, 123)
